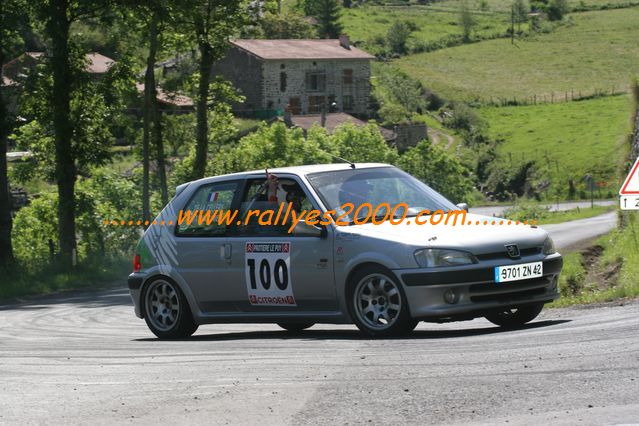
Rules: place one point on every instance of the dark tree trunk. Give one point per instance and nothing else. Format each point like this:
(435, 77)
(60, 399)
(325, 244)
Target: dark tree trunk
(6, 249)
(157, 124)
(202, 131)
(149, 113)
(65, 168)
(159, 147)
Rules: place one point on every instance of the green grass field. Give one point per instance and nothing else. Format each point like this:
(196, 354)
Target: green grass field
(577, 137)
(364, 23)
(599, 51)
(505, 5)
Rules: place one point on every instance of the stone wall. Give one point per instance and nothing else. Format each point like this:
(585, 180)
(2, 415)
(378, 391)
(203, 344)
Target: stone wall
(408, 135)
(335, 91)
(261, 82)
(245, 72)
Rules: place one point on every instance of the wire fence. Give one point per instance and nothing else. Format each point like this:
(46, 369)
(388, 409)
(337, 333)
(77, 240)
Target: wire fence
(550, 98)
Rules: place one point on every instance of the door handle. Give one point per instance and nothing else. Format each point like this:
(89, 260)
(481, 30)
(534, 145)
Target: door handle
(225, 252)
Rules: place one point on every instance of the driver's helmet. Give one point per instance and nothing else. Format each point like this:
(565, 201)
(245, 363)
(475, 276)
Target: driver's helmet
(356, 191)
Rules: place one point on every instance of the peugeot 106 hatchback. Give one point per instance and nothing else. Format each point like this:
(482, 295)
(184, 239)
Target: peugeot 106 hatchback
(238, 248)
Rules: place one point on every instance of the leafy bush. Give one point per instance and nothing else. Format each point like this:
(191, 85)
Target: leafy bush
(398, 35)
(398, 95)
(462, 117)
(104, 196)
(289, 25)
(526, 210)
(440, 170)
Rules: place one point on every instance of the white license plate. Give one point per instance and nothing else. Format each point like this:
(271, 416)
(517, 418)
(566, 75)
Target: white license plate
(523, 271)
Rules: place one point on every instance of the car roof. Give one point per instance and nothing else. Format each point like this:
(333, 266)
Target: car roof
(297, 170)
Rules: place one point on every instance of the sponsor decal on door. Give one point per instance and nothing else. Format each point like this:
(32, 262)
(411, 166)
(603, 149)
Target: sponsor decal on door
(268, 274)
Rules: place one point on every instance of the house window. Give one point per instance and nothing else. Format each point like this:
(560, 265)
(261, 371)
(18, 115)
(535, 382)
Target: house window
(347, 102)
(315, 81)
(347, 76)
(315, 104)
(282, 82)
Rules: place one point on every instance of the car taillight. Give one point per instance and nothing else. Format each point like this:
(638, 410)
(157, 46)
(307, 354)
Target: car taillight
(137, 265)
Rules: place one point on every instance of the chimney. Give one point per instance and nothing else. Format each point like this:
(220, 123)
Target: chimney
(344, 41)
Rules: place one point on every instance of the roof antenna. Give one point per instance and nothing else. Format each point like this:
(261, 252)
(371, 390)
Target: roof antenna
(339, 158)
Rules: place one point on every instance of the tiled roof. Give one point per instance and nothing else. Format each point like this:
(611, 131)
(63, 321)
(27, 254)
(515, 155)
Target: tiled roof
(333, 120)
(300, 49)
(6, 81)
(168, 98)
(98, 64)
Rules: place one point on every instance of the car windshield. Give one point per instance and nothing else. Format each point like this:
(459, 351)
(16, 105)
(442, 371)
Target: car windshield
(376, 186)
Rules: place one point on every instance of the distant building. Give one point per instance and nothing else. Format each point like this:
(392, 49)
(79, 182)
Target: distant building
(19, 67)
(332, 120)
(169, 101)
(306, 75)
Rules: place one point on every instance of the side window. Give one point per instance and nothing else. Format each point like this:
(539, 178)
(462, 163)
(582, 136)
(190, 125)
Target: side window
(275, 221)
(208, 213)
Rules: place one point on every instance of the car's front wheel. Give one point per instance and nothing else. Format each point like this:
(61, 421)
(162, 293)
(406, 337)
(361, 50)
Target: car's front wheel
(515, 317)
(377, 303)
(166, 311)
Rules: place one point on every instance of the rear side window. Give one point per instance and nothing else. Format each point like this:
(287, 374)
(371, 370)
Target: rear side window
(208, 211)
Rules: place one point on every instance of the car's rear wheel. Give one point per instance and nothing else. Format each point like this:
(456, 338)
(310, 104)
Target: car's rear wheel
(295, 327)
(515, 317)
(166, 311)
(377, 303)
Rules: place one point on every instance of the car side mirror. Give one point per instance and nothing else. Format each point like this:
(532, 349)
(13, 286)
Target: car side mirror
(302, 229)
(462, 206)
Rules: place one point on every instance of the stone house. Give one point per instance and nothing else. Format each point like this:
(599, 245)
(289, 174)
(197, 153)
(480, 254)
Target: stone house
(308, 76)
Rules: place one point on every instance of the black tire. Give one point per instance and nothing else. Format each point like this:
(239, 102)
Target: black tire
(515, 317)
(377, 303)
(295, 327)
(166, 310)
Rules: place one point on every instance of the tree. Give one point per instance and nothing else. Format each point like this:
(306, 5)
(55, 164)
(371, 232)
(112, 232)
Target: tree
(327, 13)
(286, 26)
(437, 168)
(398, 35)
(211, 23)
(466, 20)
(521, 9)
(58, 15)
(557, 9)
(11, 19)
(152, 127)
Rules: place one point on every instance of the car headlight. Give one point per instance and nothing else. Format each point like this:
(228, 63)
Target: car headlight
(432, 258)
(549, 246)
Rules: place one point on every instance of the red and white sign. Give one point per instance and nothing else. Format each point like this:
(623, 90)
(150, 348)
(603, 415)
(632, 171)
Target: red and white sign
(629, 191)
(631, 184)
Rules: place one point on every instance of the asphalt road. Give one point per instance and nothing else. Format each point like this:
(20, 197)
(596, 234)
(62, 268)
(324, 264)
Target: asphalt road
(569, 234)
(84, 358)
(569, 205)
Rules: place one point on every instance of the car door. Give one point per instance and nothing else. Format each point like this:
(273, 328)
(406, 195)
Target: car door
(201, 250)
(277, 270)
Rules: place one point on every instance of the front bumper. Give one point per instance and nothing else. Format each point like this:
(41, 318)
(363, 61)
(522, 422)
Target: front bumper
(476, 291)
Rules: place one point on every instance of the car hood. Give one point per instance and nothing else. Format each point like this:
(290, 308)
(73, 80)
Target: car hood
(477, 239)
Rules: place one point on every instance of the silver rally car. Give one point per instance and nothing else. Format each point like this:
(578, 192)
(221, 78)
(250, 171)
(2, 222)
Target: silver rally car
(384, 277)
